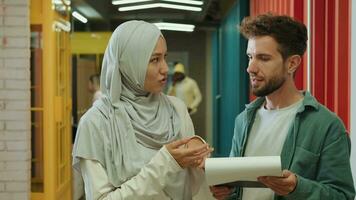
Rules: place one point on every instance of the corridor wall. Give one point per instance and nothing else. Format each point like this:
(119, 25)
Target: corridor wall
(353, 93)
(15, 100)
(230, 80)
(330, 55)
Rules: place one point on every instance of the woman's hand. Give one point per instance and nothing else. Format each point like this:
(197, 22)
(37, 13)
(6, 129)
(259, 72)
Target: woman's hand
(188, 157)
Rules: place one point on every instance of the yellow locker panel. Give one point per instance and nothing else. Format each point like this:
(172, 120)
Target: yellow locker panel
(56, 108)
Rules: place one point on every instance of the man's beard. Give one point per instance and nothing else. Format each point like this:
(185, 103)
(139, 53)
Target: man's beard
(272, 85)
(178, 77)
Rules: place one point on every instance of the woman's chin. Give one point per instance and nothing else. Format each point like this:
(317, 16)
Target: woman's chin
(157, 91)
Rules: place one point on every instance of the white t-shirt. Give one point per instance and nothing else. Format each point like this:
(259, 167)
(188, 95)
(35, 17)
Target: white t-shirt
(266, 138)
(180, 91)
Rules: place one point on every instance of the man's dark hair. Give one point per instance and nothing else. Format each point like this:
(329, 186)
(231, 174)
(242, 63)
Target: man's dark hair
(290, 34)
(95, 79)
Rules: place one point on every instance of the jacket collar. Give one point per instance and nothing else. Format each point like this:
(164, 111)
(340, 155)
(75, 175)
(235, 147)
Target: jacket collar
(308, 101)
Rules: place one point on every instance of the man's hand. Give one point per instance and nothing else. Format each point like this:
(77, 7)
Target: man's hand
(220, 192)
(280, 185)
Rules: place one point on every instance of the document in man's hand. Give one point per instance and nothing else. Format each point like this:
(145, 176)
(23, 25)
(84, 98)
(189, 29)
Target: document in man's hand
(241, 171)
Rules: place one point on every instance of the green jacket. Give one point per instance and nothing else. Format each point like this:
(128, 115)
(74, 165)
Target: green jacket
(317, 150)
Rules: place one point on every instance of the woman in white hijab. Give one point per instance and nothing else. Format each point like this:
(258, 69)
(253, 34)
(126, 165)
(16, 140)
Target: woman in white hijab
(130, 144)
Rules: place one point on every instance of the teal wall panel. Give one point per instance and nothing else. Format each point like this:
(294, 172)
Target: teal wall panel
(230, 79)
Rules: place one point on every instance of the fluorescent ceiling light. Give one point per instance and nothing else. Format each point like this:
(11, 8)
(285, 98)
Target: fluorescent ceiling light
(79, 17)
(88, 11)
(121, 2)
(159, 5)
(175, 26)
(192, 2)
(60, 2)
(61, 25)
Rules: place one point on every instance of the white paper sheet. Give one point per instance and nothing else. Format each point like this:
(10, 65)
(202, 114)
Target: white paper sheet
(225, 170)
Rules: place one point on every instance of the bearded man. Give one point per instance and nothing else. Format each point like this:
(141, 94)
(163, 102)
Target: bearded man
(283, 121)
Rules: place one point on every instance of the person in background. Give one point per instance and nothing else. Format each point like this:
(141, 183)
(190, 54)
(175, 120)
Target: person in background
(185, 88)
(131, 143)
(310, 139)
(94, 86)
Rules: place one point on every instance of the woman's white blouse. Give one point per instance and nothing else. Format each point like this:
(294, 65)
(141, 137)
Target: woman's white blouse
(150, 181)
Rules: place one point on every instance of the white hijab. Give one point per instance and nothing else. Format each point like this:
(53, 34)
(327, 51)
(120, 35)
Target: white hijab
(123, 74)
(127, 116)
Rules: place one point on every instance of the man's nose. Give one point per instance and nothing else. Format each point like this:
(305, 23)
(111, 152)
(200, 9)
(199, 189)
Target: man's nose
(252, 67)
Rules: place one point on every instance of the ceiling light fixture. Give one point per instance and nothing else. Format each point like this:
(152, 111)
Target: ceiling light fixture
(121, 2)
(175, 26)
(79, 17)
(89, 12)
(160, 5)
(61, 25)
(60, 2)
(191, 2)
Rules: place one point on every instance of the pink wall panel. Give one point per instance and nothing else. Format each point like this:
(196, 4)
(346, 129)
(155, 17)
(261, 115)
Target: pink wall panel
(343, 60)
(331, 55)
(318, 38)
